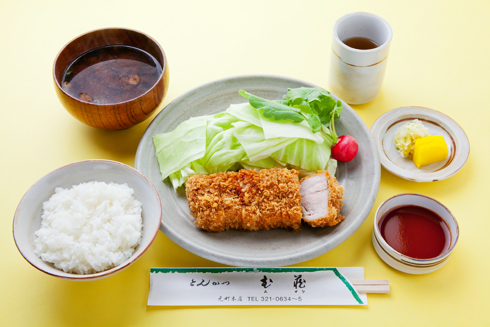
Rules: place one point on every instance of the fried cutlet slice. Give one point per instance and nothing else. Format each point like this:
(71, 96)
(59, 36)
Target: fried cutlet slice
(321, 199)
(246, 200)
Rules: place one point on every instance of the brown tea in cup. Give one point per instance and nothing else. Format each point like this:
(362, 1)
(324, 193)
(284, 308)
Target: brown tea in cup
(361, 43)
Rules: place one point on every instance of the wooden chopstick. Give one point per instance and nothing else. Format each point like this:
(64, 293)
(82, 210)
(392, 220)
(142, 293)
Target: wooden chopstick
(371, 285)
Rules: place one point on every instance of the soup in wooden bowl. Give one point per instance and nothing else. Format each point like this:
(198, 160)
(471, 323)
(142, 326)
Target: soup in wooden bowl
(111, 78)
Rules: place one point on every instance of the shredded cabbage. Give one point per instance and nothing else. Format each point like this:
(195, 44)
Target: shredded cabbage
(241, 137)
(406, 136)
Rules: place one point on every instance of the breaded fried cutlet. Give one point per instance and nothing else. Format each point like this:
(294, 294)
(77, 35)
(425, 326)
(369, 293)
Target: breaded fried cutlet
(321, 199)
(246, 200)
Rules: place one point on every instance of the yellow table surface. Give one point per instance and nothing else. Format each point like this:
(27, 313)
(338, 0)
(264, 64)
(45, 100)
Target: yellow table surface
(439, 59)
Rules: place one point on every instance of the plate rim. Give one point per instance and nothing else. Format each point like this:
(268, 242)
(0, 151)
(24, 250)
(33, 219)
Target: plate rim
(288, 259)
(378, 126)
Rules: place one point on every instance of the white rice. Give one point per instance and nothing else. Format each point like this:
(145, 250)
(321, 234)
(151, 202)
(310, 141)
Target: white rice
(89, 228)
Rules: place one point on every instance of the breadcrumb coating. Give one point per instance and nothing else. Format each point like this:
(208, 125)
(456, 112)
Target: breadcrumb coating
(335, 197)
(246, 200)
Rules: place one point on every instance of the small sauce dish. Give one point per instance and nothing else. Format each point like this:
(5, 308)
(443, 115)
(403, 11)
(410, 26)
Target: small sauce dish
(384, 132)
(413, 237)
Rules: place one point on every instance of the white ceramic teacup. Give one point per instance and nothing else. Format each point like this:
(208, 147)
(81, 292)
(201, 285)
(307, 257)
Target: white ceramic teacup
(356, 76)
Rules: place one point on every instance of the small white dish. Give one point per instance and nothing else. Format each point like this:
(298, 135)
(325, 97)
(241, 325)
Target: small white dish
(28, 219)
(384, 130)
(403, 262)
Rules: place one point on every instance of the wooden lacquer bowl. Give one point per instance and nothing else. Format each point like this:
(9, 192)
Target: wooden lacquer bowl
(118, 115)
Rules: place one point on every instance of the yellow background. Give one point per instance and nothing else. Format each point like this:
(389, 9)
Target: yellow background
(440, 58)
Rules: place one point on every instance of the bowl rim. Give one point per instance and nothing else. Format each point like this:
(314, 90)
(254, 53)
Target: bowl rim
(104, 273)
(405, 259)
(160, 77)
(403, 266)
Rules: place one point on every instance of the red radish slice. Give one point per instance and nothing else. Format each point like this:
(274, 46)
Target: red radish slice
(346, 149)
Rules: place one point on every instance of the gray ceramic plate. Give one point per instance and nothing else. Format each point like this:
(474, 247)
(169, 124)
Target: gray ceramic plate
(360, 178)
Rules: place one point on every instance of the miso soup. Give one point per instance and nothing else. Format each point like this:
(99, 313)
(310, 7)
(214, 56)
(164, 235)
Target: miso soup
(111, 74)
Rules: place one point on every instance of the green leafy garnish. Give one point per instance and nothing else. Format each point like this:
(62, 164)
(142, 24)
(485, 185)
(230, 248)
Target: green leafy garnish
(313, 105)
(272, 109)
(296, 132)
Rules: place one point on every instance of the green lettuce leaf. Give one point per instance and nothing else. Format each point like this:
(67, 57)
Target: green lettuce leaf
(274, 109)
(319, 100)
(245, 112)
(283, 128)
(186, 143)
(222, 147)
(267, 163)
(256, 145)
(305, 154)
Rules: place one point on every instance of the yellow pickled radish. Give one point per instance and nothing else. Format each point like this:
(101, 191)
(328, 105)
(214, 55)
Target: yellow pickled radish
(429, 149)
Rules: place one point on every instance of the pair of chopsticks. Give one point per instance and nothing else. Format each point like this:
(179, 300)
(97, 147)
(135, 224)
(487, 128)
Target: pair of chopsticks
(371, 285)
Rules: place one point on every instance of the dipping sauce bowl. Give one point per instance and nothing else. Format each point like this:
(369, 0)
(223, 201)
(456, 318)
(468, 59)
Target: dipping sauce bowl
(119, 114)
(404, 262)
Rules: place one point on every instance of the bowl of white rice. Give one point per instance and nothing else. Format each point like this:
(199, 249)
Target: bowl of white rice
(87, 220)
